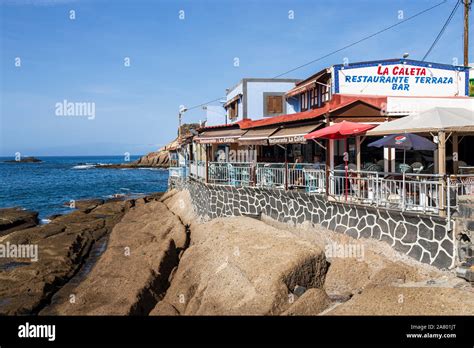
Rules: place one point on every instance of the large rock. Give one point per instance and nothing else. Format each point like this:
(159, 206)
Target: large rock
(408, 301)
(312, 302)
(133, 272)
(241, 266)
(14, 219)
(154, 159)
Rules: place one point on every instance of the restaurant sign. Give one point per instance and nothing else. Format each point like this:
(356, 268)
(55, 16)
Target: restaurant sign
(398, 79)
(217, 140)
(294, 139)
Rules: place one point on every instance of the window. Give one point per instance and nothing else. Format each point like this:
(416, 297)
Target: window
(274, 105)
(314, 98)
(325, 93)
(304, 101)
(233, 110)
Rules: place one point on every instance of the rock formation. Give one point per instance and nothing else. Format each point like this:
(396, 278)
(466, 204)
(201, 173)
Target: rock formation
(14, 219)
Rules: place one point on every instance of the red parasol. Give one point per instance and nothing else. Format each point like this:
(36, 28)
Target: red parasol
(341, 130)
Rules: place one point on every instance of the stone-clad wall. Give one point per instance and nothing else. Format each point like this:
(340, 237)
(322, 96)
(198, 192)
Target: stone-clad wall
(425, 238)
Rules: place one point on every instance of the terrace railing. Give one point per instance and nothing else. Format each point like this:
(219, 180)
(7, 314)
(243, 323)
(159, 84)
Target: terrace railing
(226, 173)
(461, 187)
(426, 193)
(406, 191)
(197, 170)
(178, 172)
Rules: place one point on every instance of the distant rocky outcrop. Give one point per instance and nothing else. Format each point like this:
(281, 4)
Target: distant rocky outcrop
(29, 159)
(160, 158)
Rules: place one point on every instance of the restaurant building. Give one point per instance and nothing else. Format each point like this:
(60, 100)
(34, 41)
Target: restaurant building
(400, 196)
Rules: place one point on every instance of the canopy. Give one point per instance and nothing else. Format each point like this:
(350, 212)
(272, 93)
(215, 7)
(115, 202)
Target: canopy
(257, 136)
(340, 130)
(406, 142)
(292, 135)
(432, 120)
(220, 136)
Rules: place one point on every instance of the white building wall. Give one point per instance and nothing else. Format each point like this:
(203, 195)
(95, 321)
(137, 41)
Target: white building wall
(409, 105)
(255, 97)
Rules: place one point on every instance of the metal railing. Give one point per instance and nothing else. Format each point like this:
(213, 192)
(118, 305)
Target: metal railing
(226, 173)
(197, 170)
(405, 191)
(417, 192)
(271, 175)
(461, 187)
(178, 172)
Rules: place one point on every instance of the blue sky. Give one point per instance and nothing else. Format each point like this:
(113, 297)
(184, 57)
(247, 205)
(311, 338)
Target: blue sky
(175, 61)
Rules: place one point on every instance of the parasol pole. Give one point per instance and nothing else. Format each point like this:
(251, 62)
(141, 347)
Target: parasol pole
(346, 155)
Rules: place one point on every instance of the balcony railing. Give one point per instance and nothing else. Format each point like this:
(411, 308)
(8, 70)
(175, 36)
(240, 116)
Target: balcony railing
(406, 191)
(416, 192)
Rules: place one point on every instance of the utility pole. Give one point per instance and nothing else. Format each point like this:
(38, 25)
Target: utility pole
(467, 5)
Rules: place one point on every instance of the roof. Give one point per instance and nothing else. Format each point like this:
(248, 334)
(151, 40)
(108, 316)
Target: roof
(337, 102)
(402, 61)
(227, 125)
(432, 120)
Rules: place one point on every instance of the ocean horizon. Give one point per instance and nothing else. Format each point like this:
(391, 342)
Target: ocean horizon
(48, 186)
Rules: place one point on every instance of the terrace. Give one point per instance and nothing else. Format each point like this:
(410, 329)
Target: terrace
(416, 192)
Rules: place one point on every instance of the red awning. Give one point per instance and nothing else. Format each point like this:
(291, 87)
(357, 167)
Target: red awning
(340, 130)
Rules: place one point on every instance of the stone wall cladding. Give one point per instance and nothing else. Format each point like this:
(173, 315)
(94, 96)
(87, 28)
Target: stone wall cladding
(422, 237)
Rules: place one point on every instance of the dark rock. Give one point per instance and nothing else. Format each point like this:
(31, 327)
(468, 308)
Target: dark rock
(440, 232)
(401, 247)
(416, 252)
(29, 159)
(14, 219)
(448, 246)
(431, 247)
(425, 232)
(299, 290)
(442, 260)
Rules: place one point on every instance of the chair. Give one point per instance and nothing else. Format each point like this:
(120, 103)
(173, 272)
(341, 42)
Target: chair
(417, 167)
(372, 167)
(405, 168)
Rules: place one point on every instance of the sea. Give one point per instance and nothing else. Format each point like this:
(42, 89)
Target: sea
(48, 186)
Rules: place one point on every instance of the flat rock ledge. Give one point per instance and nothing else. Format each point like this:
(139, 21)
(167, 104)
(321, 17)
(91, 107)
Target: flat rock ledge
(62, 246)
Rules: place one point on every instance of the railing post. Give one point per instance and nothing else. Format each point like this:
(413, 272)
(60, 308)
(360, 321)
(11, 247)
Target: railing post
(286, 175)
(403, 191)
(448, 203)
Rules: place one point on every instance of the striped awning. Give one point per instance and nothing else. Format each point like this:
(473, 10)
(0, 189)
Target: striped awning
(220, 136)
(257, 136)
(292, 135)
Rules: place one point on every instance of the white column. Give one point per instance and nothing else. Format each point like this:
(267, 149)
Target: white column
(386, 163)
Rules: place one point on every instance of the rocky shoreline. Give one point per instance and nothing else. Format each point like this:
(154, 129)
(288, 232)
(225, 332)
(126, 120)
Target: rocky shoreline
(63, 246)
(153, 256)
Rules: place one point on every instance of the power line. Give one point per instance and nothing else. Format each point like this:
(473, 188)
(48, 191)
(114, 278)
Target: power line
(343, 48)
(451, 15)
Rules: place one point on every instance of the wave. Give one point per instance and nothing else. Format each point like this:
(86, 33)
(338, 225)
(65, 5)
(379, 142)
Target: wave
(84, 166)
(150, 168)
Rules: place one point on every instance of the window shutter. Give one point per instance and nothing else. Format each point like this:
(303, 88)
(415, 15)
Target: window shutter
(278, 104)
(274, 104)
(270, 104)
